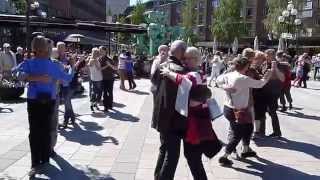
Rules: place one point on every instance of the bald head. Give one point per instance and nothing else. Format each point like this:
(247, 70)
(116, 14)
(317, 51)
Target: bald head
(178, 49)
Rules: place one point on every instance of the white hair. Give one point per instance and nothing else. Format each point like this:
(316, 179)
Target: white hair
(177, 46)
(60, 43)
(95, 52)
(162, 48)
(194, 52)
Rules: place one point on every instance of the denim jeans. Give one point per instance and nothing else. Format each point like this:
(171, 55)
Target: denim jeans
(67, 93)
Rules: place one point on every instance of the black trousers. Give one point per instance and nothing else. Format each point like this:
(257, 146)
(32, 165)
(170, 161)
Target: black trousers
(285, 94)
(132, 84)
(238, 131)
(193, 154)
(40, 116)
(169, 157)
(316, 69)
(270, 105)
(107, 86)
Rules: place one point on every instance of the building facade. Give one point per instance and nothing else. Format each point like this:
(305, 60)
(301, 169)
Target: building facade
(7, 7)
(117, 7)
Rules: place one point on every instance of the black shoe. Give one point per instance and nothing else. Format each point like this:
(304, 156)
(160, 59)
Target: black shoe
(53, 154)
(97, 107)
(257, 136)
(283, 109)
(290, 106)
(248, 154)
(32, 172)
(275, 135)
(92, 109)
(223, 161)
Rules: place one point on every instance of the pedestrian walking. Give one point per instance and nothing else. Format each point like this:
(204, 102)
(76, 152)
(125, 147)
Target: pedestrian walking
(41, 99)
(285, 95)
(122, 69)
(316, 64)
(129, 70)
(166, 120)
(215, 68)
(236, 107)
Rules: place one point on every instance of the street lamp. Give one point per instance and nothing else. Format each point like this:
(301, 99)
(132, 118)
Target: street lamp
(289, 19)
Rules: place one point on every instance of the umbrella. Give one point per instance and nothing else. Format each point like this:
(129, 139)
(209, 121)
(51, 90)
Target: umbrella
(281, 46)
(215, 45)
(256, 44)
(74, 38)
(235, 46)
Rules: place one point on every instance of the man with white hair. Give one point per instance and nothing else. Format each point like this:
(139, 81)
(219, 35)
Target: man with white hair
(166, 120)
(19, 55)
(7, 60)
(163, 55)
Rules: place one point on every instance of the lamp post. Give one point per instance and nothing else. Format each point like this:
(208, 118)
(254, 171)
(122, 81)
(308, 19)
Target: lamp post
(289, 19)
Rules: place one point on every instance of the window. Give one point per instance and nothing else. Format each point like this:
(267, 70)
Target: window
(249, 12)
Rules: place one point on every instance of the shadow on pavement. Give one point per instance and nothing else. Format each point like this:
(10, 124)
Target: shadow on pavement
(117, 115)
(66, 171)
(268, 170)
(284, 143)
(139, 92)
(6, 110)
(87, 136)
(118, 105)
(302, 115)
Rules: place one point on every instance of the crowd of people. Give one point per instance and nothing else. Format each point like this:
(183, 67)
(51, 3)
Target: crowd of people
(253, 82)
(181, 76)
(53, 74)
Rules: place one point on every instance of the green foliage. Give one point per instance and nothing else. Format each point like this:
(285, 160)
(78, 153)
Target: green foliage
(274, 10)
(228, 23)
(123, 38)
(138, 13)
(189, 21)
(21, 6)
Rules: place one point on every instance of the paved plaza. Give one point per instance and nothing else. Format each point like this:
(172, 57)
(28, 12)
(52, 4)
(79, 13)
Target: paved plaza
(121, 145)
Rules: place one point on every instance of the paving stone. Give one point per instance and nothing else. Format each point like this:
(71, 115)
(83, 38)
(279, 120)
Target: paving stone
(5, 163)
(120, 167)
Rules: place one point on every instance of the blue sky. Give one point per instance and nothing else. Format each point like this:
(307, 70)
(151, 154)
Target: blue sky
(132, 2)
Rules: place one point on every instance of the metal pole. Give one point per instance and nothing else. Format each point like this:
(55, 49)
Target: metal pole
(28, 38)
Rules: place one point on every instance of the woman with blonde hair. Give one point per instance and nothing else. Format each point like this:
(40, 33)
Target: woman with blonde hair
(96, 78)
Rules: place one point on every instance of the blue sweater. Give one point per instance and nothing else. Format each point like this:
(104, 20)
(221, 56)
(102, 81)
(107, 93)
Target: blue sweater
(36, 67)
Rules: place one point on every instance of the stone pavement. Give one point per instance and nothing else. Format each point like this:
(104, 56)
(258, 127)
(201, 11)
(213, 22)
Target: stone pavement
(121, 145)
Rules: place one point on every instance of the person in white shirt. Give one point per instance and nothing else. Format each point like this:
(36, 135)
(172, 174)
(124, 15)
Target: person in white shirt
(316, 63)
(237, 85)
(215, 68)
(96, 78)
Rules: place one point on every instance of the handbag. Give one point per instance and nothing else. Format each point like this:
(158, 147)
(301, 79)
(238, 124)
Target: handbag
(242, 116)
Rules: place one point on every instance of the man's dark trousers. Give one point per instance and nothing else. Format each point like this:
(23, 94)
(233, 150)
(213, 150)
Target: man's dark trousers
(168, 156)
(108, 93)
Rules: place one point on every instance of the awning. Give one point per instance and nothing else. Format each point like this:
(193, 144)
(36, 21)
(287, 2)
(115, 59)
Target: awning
(20, 21)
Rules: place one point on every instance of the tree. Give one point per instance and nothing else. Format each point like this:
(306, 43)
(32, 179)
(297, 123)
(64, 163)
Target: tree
(138, 13)
(274, 10)
(189, 20)
(228, 23)
(21, 6)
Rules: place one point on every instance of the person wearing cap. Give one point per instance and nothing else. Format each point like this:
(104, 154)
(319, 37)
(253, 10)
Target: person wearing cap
(7, 60)
(316, 63)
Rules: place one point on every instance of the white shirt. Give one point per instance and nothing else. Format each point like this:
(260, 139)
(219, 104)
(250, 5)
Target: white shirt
(242, 84)
(95, 71)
